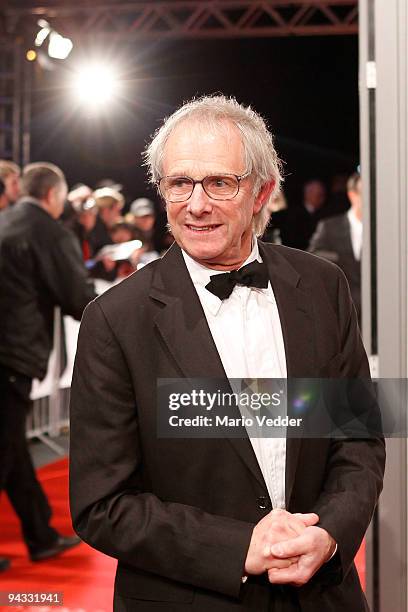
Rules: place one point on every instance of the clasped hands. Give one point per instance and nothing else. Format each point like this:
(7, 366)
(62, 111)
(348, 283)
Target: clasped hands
(289, 547)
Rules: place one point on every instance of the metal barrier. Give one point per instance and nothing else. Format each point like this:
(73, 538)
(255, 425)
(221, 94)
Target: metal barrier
(50, 413)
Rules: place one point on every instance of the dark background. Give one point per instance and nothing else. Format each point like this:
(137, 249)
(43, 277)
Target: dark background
(307, 89)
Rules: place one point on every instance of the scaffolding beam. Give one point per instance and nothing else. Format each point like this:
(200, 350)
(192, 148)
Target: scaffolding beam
(15, 101)
(194, 18)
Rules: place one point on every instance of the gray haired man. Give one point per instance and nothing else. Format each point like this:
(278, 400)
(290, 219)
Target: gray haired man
(219, 524)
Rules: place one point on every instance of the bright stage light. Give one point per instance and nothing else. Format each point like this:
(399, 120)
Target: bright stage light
(43, 33)
(96, 84)
(59, 47)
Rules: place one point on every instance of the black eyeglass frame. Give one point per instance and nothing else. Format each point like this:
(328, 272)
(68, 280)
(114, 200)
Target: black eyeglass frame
(239, 178)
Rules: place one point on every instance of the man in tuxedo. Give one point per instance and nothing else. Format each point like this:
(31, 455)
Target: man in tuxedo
(339, 239)
(219, 524)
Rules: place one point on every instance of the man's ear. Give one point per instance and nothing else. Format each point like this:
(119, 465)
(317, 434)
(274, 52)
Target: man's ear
(50, 195)
(263, 194)
(47, 201)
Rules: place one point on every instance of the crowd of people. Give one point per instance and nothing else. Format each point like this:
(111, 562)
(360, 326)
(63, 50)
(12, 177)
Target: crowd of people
(325, 222)
(58, 241)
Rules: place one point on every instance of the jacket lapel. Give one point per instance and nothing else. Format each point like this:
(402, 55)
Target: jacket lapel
(184, 329)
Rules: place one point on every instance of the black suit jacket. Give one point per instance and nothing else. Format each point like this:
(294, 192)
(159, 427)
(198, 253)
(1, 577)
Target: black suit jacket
(332, 240)
(40, 267)
(178, 514)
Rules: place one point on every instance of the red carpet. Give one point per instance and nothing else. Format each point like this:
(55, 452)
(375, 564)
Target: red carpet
(82, 574)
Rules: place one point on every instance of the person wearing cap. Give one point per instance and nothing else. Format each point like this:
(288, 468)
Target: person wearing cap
(85, 220)
(108, 182)
(74, 201)
(109, 203)
(143, 215)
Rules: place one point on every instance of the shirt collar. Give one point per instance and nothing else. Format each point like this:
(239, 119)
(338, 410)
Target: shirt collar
(200, 275)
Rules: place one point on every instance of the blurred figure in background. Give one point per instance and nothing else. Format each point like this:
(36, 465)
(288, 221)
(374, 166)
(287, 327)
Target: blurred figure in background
(75, 199)
(340, 238)
(126, 233)
(296, 224)
(127, 252)
(108, 182)
(85, 220)
(278, 202)
(10, 175)
(3, 197)
(338, 201)
(109, 204)
(79, 194)
(314, 196)
(40, 268)
(272, 234)
(123, 231)
(143, 216)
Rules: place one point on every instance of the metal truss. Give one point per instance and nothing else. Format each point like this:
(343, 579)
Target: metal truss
(14, 102)
(141, 20)
(194, 18)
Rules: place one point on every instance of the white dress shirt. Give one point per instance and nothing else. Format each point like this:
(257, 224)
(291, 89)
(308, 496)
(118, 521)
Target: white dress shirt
(247, 332)
(356, 233)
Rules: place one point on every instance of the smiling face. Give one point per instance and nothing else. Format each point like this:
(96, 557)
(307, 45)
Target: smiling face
(216, 233)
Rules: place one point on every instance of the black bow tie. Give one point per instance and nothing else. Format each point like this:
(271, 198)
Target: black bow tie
(254, 274)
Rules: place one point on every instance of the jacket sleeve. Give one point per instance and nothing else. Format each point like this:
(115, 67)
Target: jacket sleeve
(355, 467)
(64, 274)
(111, 509)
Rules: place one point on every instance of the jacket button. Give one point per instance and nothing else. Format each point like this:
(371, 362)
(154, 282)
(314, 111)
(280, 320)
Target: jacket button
(263, 502)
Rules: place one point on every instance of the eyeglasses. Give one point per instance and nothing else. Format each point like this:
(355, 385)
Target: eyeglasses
(216, 186)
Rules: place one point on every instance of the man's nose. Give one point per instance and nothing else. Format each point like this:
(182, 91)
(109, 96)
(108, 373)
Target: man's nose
(199, 202)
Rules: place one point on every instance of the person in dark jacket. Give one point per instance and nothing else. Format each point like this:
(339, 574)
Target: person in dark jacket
(339, 239)
(296, 224)
(40, 268)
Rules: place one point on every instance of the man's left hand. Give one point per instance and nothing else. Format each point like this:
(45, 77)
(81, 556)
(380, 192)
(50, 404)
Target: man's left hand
(313, 547)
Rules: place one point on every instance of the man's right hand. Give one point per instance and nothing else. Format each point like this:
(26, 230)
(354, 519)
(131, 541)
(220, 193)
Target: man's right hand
(275, 527)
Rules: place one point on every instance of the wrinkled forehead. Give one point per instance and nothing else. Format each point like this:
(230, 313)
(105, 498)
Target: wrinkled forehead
(204, 137)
